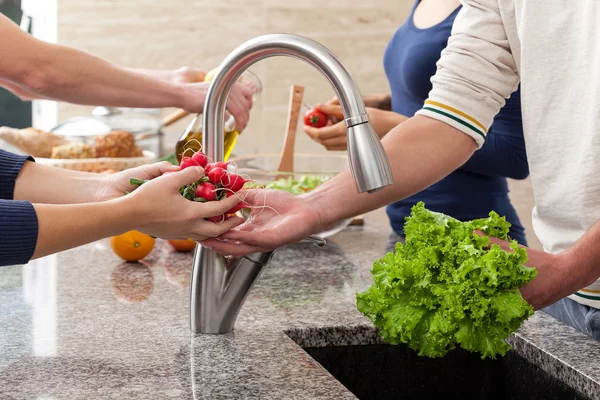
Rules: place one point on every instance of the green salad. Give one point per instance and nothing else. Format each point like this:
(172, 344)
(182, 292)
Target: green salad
(294, 186)
(447, 287)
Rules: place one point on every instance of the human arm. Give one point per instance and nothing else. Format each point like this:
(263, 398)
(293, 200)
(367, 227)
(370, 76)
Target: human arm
(49, 185)
(34, 230)
(182, 75)
(381, 101)
(37, 69)
(476, 73)
(334, 137)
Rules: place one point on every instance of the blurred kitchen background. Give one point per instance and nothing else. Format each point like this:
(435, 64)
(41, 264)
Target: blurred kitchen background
(170, 34)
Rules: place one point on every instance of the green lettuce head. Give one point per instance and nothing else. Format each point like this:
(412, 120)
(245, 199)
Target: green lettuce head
(446, 287)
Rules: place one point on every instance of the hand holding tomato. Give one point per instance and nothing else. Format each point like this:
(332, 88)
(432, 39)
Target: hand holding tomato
(315, 118)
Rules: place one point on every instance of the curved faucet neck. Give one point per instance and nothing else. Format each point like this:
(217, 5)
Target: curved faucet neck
(269, 46)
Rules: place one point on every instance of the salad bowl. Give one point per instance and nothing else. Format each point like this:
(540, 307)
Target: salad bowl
(311, 170)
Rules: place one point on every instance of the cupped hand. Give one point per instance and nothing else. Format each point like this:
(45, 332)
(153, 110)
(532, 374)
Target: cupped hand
(158, 209)
(334, 136)
(278, 218)
(239, 102)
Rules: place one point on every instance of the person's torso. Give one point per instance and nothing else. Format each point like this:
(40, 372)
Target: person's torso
(556, 46)
(410, 62)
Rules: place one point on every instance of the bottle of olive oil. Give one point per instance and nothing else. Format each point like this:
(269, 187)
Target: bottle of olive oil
(191, 140)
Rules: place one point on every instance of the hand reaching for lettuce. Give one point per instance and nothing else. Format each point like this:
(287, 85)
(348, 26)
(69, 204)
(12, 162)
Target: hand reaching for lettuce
(448, 287)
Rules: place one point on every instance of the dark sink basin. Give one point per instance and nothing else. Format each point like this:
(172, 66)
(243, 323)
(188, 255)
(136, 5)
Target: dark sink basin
(396, 372)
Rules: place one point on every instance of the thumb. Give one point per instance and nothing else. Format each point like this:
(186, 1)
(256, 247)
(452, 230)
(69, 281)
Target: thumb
(332, 110)
(185, 177)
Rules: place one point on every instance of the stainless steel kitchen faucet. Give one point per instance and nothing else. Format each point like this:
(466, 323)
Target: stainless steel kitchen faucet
(219, 285)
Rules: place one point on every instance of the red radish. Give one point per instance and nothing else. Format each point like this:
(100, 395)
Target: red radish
(234, 182)
(188, 162)
(237, 208)
(207, 191)
(217, 219)
(216, 175)
(200, 158)
(219, 164)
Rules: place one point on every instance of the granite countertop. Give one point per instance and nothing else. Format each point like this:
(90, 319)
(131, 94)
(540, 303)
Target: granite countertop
(82, 324)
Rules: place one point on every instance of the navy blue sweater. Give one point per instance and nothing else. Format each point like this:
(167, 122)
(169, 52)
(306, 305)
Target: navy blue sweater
(480, 185)
(18, 220)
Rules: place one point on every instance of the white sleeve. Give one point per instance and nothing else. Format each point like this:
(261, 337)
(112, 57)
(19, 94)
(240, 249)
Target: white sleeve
(476, 72)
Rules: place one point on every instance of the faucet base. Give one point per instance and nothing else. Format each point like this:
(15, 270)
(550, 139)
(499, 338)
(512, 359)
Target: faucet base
(219, 287)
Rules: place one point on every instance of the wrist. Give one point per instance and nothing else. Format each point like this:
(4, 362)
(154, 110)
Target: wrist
(573, 260)
(125, 214)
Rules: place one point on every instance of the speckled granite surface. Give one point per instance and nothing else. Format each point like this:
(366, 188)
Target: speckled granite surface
(82, 324)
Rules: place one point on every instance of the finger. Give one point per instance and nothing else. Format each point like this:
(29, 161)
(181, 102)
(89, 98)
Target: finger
(185, 177)
(333, 101)
(336, 142)
(159, 168)
(504, 245)
(208, 229)
(331, 110)
(214, 208)
(337, 148)
(252, 197)
(232, 249)
(327, 132)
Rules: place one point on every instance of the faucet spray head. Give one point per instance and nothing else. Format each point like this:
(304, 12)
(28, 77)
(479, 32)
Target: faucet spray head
(368, 161)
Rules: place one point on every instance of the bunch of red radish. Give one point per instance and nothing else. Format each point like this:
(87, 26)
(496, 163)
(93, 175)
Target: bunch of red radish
(216, 184)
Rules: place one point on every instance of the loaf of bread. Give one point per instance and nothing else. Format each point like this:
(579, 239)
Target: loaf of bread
(73, 150)
(34, 142)
(117, 144)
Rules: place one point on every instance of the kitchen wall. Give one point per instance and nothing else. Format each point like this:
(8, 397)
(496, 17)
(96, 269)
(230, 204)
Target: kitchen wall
(169, 34)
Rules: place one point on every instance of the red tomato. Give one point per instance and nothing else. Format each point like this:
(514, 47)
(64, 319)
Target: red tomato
(315, 118)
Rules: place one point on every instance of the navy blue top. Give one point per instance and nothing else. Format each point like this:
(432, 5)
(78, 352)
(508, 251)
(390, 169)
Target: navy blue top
(479, 186)
(18, 220)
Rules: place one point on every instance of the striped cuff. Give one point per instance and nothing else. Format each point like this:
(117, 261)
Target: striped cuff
(10, 166)
(455, 118)
(18, 232)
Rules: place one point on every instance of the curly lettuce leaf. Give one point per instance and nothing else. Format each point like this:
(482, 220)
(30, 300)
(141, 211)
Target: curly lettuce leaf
(448, 287)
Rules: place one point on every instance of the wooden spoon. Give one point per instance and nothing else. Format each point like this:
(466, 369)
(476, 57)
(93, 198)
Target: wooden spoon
(286, 162)
(174, 117)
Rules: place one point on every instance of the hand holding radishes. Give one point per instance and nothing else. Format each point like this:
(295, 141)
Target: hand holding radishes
(159, 209)
(217, 184)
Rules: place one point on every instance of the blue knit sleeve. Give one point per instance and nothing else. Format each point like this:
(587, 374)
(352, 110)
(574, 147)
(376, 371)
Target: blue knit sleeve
(18, 232)
(18, 219)
(10, 165)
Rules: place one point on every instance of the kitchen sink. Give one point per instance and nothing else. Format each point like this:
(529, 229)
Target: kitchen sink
(397, 372)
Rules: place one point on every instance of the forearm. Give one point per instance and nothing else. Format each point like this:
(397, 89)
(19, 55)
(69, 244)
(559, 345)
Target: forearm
(79, 224)
(584, 258)
(421, 151)
(61, 73)
(165, 75)
(386, 121)
(43, 184)
(70, 75)
(20, 92)
(384, 101)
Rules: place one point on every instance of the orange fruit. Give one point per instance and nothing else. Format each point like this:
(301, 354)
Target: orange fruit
(132, 245)
(183, 245)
